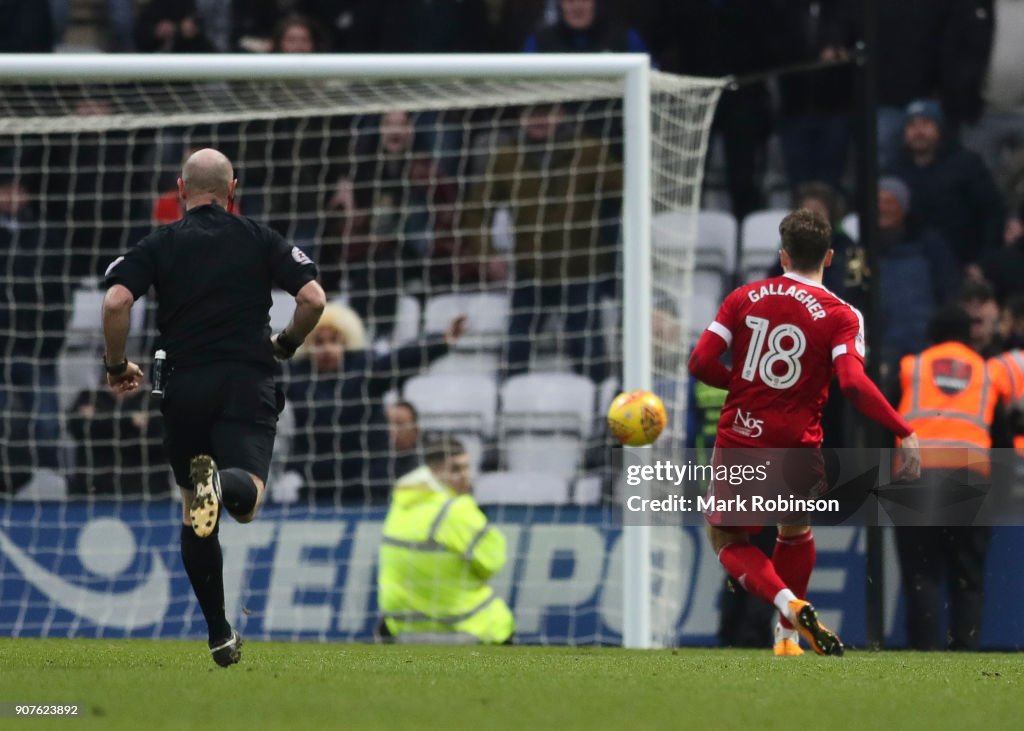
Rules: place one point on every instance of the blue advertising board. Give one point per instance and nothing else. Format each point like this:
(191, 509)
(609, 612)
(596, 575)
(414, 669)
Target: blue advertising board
(114, 570)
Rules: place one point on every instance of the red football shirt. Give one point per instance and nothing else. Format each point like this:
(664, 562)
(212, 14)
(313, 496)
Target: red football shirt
(784, 333)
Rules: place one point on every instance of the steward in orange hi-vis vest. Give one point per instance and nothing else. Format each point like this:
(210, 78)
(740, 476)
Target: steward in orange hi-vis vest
(949, 397)
(1008, 373)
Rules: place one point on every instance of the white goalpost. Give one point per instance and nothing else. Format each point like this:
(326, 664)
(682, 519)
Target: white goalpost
(471, 216)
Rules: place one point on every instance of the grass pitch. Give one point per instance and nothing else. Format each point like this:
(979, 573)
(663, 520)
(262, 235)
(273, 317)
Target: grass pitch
(139, 684)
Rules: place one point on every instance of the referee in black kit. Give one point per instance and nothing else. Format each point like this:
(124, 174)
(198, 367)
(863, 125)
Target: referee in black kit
(213, 273)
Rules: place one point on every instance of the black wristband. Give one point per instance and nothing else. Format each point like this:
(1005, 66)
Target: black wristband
(286, 343)
(118, 368)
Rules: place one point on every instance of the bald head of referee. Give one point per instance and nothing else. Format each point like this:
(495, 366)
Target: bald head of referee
(207, 177)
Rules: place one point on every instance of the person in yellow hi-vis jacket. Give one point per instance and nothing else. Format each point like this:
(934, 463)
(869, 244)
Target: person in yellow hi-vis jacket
(438, 552)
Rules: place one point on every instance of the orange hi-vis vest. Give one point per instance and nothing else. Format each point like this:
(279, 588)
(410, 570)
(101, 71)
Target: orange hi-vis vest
(1008, 372)
(949, 399)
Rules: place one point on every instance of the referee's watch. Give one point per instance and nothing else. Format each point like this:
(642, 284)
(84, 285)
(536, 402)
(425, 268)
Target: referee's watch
(118, 368)
(287, 344)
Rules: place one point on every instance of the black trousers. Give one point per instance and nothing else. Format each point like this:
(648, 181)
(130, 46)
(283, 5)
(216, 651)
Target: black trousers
(929, 555)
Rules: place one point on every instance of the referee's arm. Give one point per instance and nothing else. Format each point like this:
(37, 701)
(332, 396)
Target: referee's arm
(122, 375)
(309, 304)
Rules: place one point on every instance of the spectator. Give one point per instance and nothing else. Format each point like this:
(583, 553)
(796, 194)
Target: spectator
(427, 26)
(951, 189)
(171, 26)
(931, 48)
(118, 450)
(560, 259)
(298, 34)
(814, 123)
(32, 321)
(583, 27)
(119, 26)
(27, 28)
(341, 440)
(1011, 327)
(917, 273)
(511, 22)
(394, 216)
(84, 190)
(979, 300)
(437, 555)
(403, 425)
(1004, 267)
(351, 26)
(253, 23)
(710, 38)
(822, 198)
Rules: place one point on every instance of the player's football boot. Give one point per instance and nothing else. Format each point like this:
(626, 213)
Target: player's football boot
(822, 640)
(229, 651)
(206, 501)
(787, 642)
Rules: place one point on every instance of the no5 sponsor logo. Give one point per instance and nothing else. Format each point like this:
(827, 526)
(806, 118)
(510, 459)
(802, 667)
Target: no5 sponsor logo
(744, 423)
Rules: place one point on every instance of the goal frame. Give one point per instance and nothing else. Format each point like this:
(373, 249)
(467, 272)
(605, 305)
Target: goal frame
(632, 69)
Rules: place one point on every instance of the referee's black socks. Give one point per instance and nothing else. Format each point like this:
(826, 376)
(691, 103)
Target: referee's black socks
(238, 491)
(204, 565)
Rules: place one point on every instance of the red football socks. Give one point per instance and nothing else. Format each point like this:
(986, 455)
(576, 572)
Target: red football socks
(747, 564)
(793, 560)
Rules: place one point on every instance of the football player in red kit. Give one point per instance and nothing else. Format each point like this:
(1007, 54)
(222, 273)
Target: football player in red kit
(788, 336)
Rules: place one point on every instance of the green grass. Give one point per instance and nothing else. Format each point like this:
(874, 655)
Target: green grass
(148, 685)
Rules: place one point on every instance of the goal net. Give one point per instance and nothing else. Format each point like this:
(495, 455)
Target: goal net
(524, 197)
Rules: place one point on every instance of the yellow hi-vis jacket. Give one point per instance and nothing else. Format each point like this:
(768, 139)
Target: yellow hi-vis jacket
(436, 555)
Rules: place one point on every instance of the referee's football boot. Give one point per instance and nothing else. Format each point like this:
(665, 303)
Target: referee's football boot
(207, 497)
(229, 651)
(821, 639)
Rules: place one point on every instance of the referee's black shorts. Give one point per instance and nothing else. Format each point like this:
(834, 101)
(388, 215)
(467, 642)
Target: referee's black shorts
(226, 410)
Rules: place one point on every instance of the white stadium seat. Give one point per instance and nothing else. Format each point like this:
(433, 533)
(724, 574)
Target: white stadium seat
(407, 321)
(760, 238)
(715, 232)
(282, 306)
(520, 488)
(545, 422)
(587, 490)
(606, 392)
(488, 318)
(851, 226)
(86, 326)
(482, 364)
(549, 402)
(451, 402)
(463, 405)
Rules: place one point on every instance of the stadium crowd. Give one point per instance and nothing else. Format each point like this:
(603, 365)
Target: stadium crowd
(399, 206)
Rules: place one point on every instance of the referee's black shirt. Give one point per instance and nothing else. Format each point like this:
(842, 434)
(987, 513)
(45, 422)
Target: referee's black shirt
(213, 272)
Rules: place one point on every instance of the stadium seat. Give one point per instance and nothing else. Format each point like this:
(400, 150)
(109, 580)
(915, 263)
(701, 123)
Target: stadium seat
(520, 488)
(587, 490)
(851, 226)
(702, 312)
(463, 405)
(716, 237)
(760, 239)
(607, 391)
(85, 330)
(550, 401)
(488, 318)
(282, 306)
(484, 364)
(76, 372)
(545, 422)
(407, 321)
